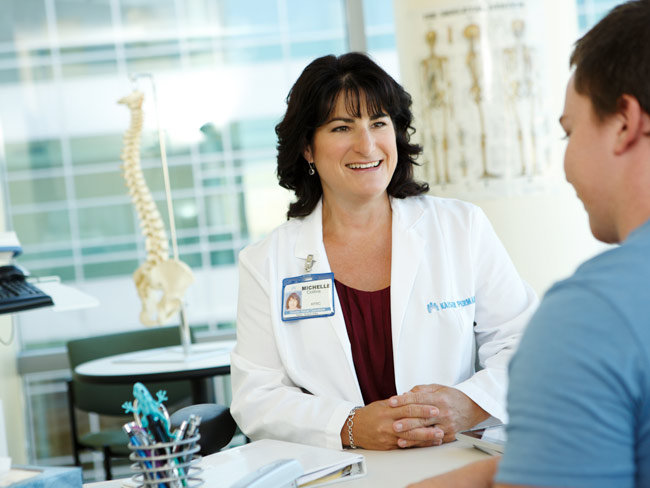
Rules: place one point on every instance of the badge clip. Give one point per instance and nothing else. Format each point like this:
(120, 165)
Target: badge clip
(309, 263)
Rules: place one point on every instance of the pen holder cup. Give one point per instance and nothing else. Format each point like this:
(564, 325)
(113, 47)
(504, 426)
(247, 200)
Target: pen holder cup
(167, 464)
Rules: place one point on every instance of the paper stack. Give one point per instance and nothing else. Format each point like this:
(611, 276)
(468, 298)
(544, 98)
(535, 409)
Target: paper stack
(320, 466)
(9, 247)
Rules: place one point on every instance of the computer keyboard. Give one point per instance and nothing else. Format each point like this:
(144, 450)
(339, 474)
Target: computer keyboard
(17, 294)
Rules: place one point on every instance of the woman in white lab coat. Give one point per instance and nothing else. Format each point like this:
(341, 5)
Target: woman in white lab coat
(382, 354)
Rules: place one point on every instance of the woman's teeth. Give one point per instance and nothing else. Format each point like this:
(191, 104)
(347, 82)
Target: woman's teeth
(374, 164)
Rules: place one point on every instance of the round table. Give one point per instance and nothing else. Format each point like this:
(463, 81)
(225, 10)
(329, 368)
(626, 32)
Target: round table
(205, 361)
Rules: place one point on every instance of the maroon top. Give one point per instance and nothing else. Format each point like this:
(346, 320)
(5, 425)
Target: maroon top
(367, 319)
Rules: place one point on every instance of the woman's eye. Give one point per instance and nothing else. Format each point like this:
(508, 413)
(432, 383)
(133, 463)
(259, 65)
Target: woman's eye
(340, 128)
(379, 124)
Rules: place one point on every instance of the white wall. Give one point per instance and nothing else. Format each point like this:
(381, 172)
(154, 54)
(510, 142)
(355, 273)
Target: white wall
(546, 234)
(11, 392)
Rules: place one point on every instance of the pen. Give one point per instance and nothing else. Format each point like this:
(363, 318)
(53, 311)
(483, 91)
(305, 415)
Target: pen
(130, 428)
(157, 429)
(192, 427)
(179, 436)
(138, 438)
(159, 432)
(146, 440)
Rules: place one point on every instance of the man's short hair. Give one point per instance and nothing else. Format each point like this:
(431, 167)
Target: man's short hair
(613, 58)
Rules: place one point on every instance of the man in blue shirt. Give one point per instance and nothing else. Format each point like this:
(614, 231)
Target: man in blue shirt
(579, 397)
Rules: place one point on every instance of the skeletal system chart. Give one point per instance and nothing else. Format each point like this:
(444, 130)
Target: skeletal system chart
(479, 102)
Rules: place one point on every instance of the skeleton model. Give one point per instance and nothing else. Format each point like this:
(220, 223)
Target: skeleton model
(436, 87)
(161, 282)
(472, 33)
(518, 65)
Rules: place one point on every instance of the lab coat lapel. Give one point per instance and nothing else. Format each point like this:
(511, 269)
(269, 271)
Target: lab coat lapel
(310, 241)
(407, 253)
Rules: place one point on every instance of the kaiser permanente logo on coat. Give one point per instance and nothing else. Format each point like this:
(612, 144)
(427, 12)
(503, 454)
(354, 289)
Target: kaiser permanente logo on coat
(438, 306)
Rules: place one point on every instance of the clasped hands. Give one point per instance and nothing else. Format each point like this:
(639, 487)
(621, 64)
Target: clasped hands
(427, 415)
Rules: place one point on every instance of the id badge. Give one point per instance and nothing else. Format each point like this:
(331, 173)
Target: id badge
(308, 296)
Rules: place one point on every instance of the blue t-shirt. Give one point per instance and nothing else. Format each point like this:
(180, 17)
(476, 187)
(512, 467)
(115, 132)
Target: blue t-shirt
(579, 397)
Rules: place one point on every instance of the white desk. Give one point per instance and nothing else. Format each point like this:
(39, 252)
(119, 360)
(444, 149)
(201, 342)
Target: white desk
(162, 364)
(392, 469)
(395, 469)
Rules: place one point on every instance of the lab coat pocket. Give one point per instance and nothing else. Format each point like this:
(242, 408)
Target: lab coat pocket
(317, 355)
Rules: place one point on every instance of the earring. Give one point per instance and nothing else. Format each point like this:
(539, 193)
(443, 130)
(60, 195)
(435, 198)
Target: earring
(312, 168)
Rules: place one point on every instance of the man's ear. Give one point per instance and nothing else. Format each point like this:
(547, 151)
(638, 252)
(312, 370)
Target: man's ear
(306, 153)
(633, 123)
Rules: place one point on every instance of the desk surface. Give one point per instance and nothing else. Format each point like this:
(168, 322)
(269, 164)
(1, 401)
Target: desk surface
(398, 468)
(165, 363)
(393, 469)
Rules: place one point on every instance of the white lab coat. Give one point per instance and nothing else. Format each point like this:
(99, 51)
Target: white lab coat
(453, 287)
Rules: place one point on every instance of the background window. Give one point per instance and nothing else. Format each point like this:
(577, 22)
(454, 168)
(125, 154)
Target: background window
(591, 11)
(222, 70)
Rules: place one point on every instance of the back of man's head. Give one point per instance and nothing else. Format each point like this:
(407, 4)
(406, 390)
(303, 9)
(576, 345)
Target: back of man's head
(613, 58)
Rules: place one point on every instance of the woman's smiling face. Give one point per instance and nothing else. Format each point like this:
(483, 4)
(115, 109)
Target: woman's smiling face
(355, 156)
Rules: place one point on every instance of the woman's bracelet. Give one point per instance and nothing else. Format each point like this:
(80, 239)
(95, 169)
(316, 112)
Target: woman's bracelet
(350, 424)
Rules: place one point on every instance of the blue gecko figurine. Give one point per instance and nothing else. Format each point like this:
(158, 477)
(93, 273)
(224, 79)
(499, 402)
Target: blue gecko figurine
(147, 408)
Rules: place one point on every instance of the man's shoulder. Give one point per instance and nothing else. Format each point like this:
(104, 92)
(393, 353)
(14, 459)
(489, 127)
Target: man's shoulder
(616, 278)
(623, 263)
(601, 306)
(620, 263)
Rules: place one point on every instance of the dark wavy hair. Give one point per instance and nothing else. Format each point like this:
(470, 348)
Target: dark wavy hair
(311, 101)
(613, 59)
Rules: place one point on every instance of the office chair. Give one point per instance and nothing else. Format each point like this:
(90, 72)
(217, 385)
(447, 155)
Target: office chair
(108, 399)
(217, 425)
